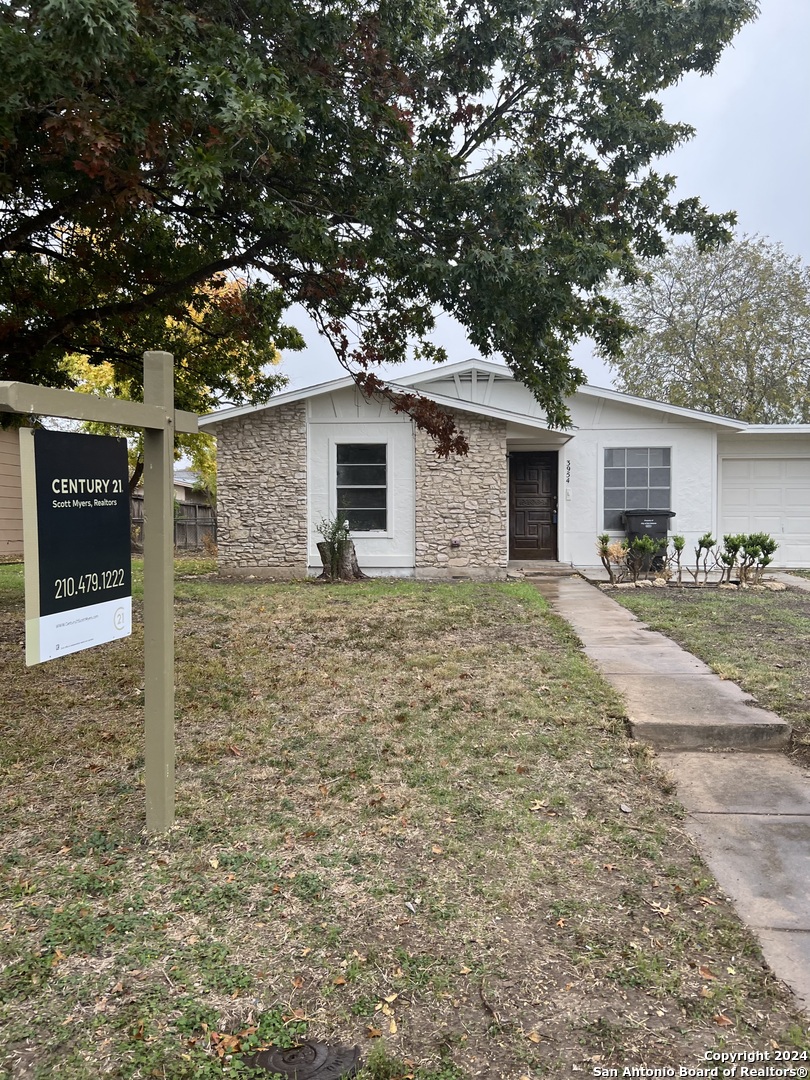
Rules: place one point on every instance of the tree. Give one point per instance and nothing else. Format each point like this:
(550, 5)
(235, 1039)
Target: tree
(725, 331)
(102, 380)
(204, 326)
(370, 159)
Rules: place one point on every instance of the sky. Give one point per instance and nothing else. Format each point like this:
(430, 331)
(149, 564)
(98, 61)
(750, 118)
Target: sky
(751, 154)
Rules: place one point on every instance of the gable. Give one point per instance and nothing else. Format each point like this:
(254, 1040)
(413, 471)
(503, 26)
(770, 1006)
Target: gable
(475, 386)
(489, 389)
(596, 413)
(483, 383)
(348, 404)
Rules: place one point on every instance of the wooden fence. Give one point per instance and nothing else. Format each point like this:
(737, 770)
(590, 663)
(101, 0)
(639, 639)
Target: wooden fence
(195, 525)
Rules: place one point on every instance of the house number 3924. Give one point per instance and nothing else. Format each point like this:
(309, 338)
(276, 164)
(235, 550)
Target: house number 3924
(568, 472)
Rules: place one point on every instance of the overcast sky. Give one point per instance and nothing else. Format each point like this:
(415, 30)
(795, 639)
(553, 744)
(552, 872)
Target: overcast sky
(751, 154)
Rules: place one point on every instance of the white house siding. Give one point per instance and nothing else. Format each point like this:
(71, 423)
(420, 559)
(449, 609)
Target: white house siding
(345, 416)
(262, 492)
(765, 487)
(601, 424)
(11, 527)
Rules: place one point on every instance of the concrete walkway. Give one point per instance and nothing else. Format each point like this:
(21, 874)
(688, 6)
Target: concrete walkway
(749, 811)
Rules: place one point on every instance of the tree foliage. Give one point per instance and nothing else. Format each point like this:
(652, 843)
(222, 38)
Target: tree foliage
(372, 160)
(102, 380)
(725, 331)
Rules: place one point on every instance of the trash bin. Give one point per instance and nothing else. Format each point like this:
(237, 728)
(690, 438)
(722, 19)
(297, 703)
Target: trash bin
(652, 523)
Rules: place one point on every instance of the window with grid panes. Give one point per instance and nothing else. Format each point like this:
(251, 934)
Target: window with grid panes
(636, 478)
(362, 486)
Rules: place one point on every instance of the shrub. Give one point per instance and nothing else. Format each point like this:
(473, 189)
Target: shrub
(749, 555)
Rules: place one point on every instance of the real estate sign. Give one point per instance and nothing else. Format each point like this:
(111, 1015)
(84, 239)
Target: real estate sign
(76, 537)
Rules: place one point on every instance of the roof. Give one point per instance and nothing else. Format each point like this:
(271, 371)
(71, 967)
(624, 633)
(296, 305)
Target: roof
(776, 429)
(284, 398)
(186, 477)
(421, 381)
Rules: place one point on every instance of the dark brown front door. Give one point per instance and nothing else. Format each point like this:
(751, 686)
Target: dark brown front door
(533, 505)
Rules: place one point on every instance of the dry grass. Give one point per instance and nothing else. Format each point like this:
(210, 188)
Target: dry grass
(408, 816)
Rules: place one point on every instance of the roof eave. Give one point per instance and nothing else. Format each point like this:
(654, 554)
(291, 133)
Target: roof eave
(459, 405)
(661, 406)
(775, 429)
(286, 398)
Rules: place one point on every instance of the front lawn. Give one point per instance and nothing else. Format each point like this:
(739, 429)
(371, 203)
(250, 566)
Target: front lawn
(408, 817)
(757, 639)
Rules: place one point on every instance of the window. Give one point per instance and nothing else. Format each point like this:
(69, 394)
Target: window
(362, 492)
(636, 478)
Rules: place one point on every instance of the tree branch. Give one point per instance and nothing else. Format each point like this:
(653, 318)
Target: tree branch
(29, 343)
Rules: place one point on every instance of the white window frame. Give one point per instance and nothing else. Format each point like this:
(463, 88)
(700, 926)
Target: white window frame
(333, 498)
(603, 487)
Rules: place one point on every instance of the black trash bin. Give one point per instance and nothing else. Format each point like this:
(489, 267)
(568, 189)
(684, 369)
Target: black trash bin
(652, 523)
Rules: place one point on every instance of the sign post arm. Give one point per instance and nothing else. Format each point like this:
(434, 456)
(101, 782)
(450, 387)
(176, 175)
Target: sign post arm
(158, 594)
(26, 398)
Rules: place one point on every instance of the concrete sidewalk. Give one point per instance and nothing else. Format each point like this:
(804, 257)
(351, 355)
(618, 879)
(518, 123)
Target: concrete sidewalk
(749, 811)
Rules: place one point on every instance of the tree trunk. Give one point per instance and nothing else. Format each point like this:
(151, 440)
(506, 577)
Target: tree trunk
(339, 562)
(135, 479)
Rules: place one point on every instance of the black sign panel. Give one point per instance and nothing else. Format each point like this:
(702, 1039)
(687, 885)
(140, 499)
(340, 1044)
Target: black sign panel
(82, 495)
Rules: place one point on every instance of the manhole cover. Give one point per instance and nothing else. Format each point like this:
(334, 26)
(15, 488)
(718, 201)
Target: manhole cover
(308, 1061)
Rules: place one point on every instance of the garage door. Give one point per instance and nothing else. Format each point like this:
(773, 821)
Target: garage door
(769, 495)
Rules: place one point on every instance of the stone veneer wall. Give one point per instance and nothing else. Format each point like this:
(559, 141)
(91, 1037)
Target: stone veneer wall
(466, 500)
(262, 492)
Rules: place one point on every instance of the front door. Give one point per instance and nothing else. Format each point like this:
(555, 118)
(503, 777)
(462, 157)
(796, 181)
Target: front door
(533, 505)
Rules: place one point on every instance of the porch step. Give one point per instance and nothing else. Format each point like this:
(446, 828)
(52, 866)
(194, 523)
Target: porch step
(540, 569)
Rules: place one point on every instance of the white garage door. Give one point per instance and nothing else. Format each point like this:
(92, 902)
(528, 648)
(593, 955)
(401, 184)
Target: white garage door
(769, 495)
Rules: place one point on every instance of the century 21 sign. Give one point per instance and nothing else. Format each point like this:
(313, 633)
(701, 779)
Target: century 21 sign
(76, 534)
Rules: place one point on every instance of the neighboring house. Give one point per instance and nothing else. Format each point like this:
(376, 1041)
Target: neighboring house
(195, 521)
(11, 527)
(195, 526)
(524, 493)
(187, 487)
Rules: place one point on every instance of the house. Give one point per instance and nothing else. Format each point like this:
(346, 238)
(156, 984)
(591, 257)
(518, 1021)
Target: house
(11, 527)
(526, 492)
(195, 527)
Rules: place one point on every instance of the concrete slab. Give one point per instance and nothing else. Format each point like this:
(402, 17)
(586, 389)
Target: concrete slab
(674, 701)
(691, 711)
(739, 783)
(588, 613)
(632, 637)
(651, 658)
(751, 737)
(792, 579)
(585, 618)
(666, 697)
(787, 953)
(762, 862)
